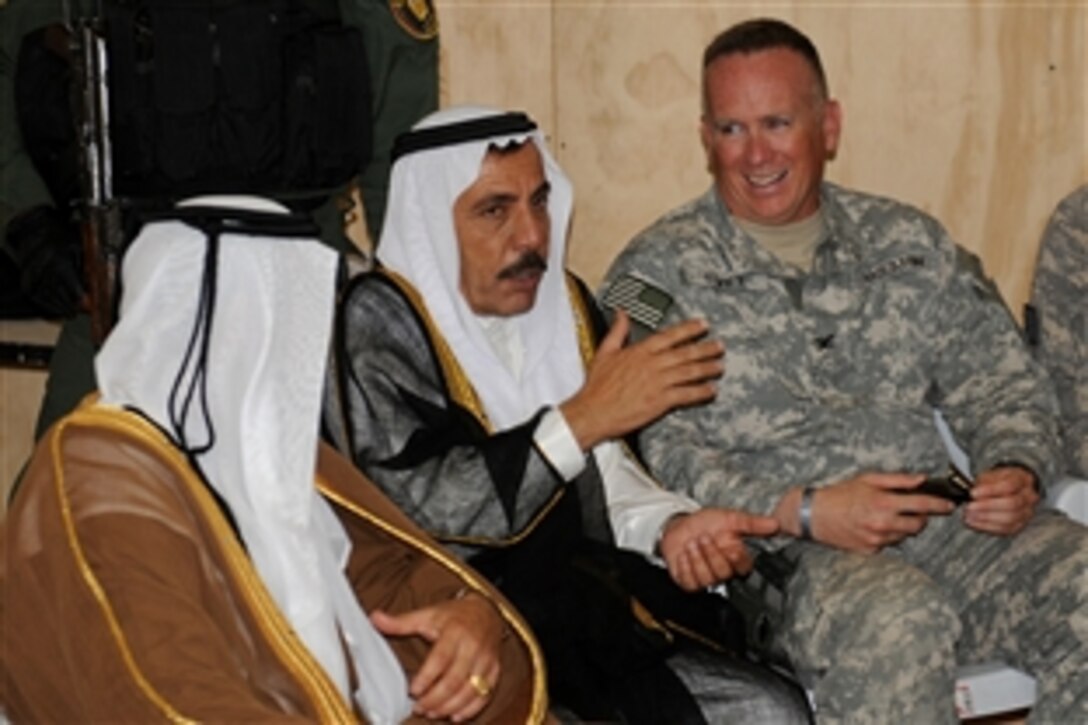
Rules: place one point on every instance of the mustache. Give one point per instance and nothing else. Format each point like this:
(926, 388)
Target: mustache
(528, 262)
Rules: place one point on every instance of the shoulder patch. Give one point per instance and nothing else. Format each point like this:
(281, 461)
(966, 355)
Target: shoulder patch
(644, 303)
(418, 17)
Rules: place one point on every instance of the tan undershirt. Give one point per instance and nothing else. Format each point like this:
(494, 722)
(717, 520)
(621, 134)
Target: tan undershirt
(794, 244)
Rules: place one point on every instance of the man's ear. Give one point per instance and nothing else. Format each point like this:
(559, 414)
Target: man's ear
(832, 127)
(706, 136)
(706, 133)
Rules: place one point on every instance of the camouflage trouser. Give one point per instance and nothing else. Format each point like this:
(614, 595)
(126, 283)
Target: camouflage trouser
(878, 638)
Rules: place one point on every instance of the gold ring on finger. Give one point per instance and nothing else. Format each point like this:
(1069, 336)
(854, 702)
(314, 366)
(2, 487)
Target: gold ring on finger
(479, 684)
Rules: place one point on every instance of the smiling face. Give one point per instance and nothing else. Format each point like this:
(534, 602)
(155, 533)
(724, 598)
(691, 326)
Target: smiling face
(768, 132)
(503, 232)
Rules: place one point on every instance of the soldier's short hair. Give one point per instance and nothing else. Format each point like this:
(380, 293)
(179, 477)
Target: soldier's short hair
(752, 36)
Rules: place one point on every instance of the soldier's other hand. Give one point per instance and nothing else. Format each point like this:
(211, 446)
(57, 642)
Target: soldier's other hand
(706, 547)
(629, 386)
(1003, 500)
(869, 511)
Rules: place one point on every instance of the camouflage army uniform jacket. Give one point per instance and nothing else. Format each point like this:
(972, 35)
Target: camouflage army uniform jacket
(836, 372)
(1060, 297)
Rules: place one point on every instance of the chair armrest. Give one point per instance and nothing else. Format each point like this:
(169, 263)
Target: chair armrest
(986, 690)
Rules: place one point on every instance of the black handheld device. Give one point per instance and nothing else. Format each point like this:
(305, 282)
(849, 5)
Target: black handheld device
(954, 486)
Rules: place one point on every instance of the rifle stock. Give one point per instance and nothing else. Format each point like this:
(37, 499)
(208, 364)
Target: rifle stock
(100, 227)
(99, 211)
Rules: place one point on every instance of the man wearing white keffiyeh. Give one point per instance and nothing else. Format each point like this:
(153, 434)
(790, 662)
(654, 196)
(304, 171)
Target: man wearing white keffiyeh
(237, 587)
(473, 385)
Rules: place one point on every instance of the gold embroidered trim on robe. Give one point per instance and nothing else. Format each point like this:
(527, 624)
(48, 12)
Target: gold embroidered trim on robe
(281, 638)
(461, 391)
(538, 708)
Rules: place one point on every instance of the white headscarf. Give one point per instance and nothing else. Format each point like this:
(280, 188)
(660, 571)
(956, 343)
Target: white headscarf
(419, 242)
(266, 359)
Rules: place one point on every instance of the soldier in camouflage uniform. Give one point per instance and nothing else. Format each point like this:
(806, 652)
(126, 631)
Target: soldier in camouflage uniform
(847, 319)
(1059, 296)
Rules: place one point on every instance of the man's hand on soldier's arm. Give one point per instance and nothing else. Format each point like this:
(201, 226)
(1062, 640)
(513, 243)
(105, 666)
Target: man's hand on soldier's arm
(1003, 500)
(706, 547)
(862, 514)
(629, 386)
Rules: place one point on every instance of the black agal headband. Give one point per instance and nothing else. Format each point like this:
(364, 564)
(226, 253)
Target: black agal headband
(475, 129)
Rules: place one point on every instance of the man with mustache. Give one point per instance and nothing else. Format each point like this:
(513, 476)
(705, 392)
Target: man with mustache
(472, 389)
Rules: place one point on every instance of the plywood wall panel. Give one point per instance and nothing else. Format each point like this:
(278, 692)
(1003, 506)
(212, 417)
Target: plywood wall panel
(498, 54)
(985, 127)
(975, 112)
(20, 396)
(628, 105)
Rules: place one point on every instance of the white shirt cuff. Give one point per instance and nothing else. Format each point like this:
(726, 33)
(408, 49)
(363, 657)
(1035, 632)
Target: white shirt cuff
(556, 442)
(638, 506)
